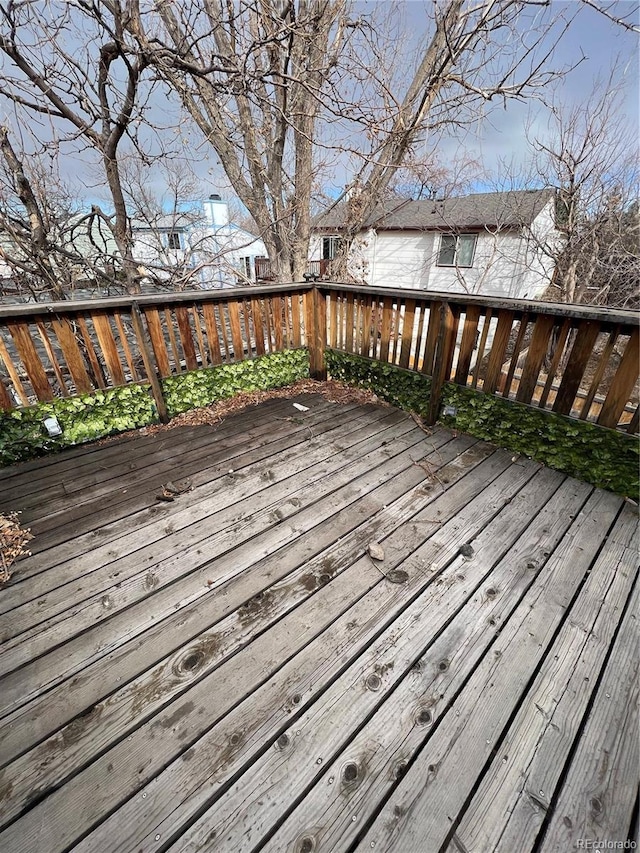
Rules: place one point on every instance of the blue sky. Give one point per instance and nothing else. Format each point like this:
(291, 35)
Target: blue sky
(592, 41)
(501, 136)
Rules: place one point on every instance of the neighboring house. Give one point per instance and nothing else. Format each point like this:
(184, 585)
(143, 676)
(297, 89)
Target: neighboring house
(87, 248)
(201, 246)
(497, 244)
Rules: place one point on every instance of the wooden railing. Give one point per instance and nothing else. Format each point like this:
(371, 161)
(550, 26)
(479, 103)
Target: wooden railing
(315, 269)
(579, 362)
(53, 350)
(572, 360)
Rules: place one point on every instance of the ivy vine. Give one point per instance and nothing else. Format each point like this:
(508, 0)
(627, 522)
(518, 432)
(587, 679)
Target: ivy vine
(207, 385)
(83, 418)
(603, 457)
(91, 416)
(403, 388)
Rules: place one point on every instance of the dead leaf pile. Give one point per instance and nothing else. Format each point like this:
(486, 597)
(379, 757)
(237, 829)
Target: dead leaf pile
(13, 539)
(170, 491)
(334, 392)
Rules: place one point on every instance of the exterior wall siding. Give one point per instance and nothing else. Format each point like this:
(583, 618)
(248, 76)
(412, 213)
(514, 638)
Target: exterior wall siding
(510, 263)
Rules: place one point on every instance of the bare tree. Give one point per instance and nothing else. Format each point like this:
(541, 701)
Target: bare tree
(251, 76)
(48, 245)
(160, 215)
(266, 81)
(279, 89)
(70, 71)
(590, 154)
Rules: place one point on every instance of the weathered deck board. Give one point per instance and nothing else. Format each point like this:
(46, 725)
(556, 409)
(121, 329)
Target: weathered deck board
(263, 490)
(281, 690)
(382, 749)
(521, 781)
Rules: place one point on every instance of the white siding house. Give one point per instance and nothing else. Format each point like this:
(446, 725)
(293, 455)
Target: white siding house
(495, 244)
(200, 246)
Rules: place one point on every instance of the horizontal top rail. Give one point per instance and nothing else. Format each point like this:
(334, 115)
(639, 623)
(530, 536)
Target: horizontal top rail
(32, 309)
(530, 306)
(578, 361)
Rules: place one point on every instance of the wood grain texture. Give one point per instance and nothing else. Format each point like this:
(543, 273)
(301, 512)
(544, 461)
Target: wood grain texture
(158, 343)
(383, 747)
(443, 357)
(430, 795)
(581, 352)
(516, 793)
(428, 365)
(505, 382)
(108, 347)
(542, 329)
(296, 326)
(599, 372)
(125, 336)
(236, 330)
(177, 357)
(558, 349)
(498, 350)
(72, 355)
(257, 325)
(486, 326)
(467, 344)
(407, 332)
(183, 320)
(54, 361)
(213, 340)
(385, 330)
(601, 786)
(150, 367)
(333, 320)
(350, 319)
(197, 324)
(233, 670)
(622, 384)
(31, 362)
(97, 374)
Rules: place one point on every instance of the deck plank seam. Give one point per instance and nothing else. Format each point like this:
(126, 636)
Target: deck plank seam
(265, 513)
(380, 428)
(629, 603)
(392, 476)
(58, 508)
(523, 693)
(387, 696)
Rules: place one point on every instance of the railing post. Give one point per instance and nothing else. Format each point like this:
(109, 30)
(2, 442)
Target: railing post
(149, 362)
(316, 328)
(442, 360)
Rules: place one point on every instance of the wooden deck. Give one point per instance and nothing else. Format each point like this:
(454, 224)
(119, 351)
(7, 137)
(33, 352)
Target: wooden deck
(233, 672)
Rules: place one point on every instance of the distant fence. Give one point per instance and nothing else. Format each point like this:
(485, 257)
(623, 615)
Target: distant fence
(576, 361)
(316, 269)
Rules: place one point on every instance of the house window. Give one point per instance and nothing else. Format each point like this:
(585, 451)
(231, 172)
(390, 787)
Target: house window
(173, 240)
(456, 250)
(245, 266)
(330, 247)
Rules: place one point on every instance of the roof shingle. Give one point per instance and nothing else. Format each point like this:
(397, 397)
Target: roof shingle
(504, 209)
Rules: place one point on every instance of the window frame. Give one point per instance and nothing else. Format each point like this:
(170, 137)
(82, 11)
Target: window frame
(246, 265)
(333, 243)
(456, 250)
(172, 238)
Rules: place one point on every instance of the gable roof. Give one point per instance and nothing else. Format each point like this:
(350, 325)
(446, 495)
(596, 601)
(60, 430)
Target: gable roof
(505, 210)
